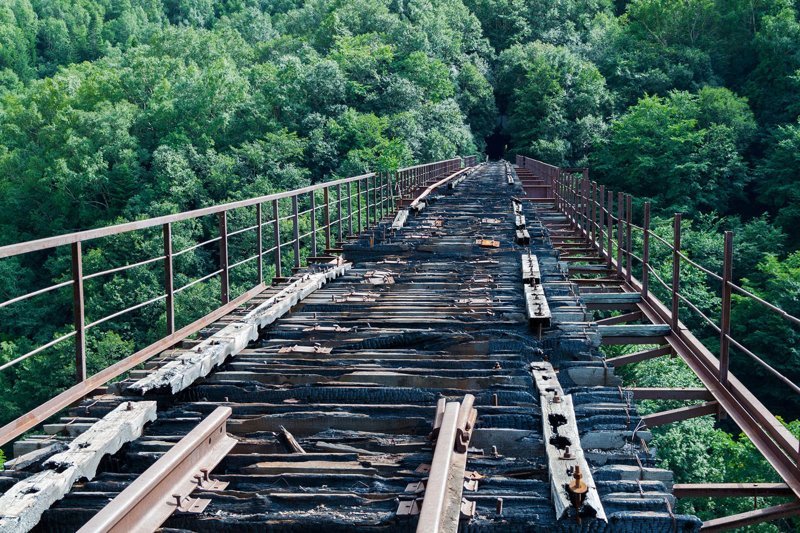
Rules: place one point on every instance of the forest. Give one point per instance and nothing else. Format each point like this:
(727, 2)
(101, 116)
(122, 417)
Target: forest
(115, 110)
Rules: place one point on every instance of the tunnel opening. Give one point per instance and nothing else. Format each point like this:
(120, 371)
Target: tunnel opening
(496, 145)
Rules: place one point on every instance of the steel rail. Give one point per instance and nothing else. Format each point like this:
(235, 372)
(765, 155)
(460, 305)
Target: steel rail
(164, 487)
(434, 505)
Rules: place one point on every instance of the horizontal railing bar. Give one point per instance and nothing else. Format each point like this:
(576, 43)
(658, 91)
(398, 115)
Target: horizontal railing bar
(128, 310)
(698, 311)
(238, 231)
(194, 246)
(745, 292)
(36, 293)
(764, 364)
(243, 261)
(37, 350)
(199, 280)
(700, 267)
(124, 267)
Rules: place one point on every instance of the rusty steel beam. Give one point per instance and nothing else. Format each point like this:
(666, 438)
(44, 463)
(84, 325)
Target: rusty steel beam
(731, 490)
(637, 357)
(165, 487)
(682, 413)
(31, 419)
(620, 319)
(776, 512)
(658, 393)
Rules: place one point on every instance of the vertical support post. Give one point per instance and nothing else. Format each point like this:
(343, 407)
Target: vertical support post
(646, 251)
(79, 316)
(339, 227)
(260, 243)
(223, 258)
(601, 208)
(593, 212)
(620, 218)
(628, 246)
(327, 212)
(725, 319)
(358, 205)
(676, 269)
(313, 195)
(169, 288)
(349, 208)
(610, 227)
(368, 203)
(276, 228)
(296, 231)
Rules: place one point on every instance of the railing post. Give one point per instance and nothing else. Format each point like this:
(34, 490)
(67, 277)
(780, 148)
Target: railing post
(593, 213)
(610, 227)
(327, 212)
(169, 288)
(358, 205)
(600, 217)
(223, 258)
(339, 228)
(260, 242)
(676, 270)
(368, 205)
(296, 231)
(628, 246)
(646, 251)
(313, 195)
(725, 319)
(276, 216)
(79, 316)
(620, 232)
(349, 209)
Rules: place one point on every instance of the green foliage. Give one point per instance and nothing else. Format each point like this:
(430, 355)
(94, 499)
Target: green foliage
(691, 141)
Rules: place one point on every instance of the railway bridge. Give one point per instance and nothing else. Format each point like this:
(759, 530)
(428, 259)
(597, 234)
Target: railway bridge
(418, 350)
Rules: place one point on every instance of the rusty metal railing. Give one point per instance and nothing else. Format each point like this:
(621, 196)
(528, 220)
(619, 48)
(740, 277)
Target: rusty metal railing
(590, 210)
(287, 230)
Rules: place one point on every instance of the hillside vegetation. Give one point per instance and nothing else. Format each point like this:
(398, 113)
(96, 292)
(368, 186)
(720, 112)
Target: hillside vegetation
(113, 110)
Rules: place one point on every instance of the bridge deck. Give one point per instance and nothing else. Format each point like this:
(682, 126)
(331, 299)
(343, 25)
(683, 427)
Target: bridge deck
(352, 376)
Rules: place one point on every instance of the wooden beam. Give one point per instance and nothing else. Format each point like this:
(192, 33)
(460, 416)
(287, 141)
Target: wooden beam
(662, 393)
(639, 356)
(776, 512)
(730, 490)
(682, 413)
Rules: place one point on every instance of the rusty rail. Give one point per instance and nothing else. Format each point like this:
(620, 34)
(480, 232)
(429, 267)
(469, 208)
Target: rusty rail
(778, 446)
(165, 487)
(442, 505)
(375, 197)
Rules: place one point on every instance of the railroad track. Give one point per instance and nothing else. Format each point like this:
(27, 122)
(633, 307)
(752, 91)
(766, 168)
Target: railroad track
(405, 394)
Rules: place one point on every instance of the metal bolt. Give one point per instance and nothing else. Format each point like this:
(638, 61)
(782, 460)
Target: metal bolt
(178, 499)
(556, 398)
(567, 453)
(130, 406)
(204, 471)
(495, 400)
(199, 479)
(494, 451)
(499, 506)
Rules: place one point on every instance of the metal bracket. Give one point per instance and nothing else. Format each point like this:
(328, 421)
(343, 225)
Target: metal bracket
(408, 508)
(467, 508)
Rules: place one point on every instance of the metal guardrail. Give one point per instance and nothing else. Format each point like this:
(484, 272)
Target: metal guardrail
(590, 210)
(332, 210)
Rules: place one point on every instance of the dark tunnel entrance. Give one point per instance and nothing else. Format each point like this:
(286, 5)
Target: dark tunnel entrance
(496, 145)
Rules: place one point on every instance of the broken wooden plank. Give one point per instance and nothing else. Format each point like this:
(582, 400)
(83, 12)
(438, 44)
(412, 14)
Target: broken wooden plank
(400, 219)
(233, 338)
(21, 507)
(563, 446)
